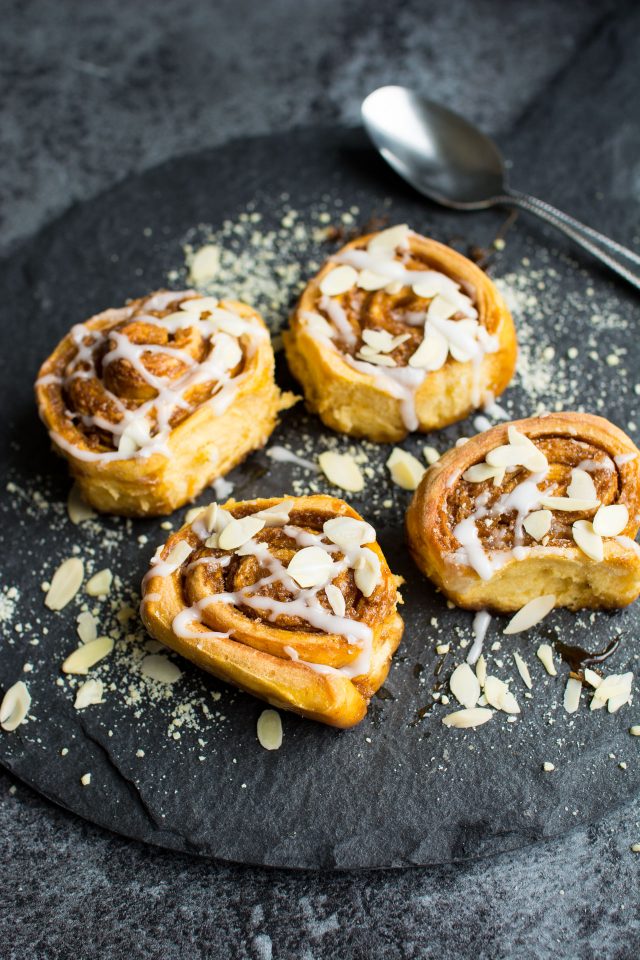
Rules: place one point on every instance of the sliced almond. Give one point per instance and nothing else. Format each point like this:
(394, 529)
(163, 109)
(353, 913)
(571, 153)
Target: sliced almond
(380, 340)
(464, 719)
(582, 486)
(338, 281)
(88, 693)
(193, 513)
(269, 730)
(588, 540)
(367, 572)
(317, 325)
(65, 583)
(509, 455)
(368, 280)
(387, 241)
(464, 685)
(481, 670)
(15, 706)
(85, 779)
(336, 599)
(239, 531)
(610, 521)
(432, 352)
(523, 670)
(431, 455)
(480, 472)
(310, 567)
(341, 470)
(348, 533)
(87, 627)
(499, 696)
(572, 693)
(178, 554)
(406, 470)
(538, 524)
(441, 309)
(277, 515)
(394, 287)
(99, 584)
(204, 266)
(226, 353)
(614, 691)
(86, 656)
(545, 656)
(378, 359)
(569, 504)
(77, 508)
(532, 613)
(592, 678)
(160, 668)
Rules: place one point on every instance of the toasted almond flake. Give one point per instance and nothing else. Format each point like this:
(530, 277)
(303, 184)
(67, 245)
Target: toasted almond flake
(545, 656)
(572, 693)
(429, 286)
(441, 308)
(387, 241)
(611, 520)
(635, 730)
(548, 767)
(432, 353)
(347, 532)
(588, 540)
(381, 341)
(592, 678)
(338, 281)
(523, 670)
(367, 571)
(499, 696)
(531, 614)
(481, 670)
(204, 266)
(277, 515)
(368, 280)
(406, 470)
(341, 470)
(464, 686)
(208, 517)
(582, 486)
(310, 567)
(212, 542)
(85, 779)
(515, 455)
(157, 667)
(194, 512)
(15, 706)
(635, 847)
(99, 584)
(87, 627)
(238, 531)
(336, 599)
(480, 472)
(464, 719)
(178, 554)
(377, 359)
(86, 656)
(269, 730)
(538, 524)
(65, 583)
(569, 504)
(442, 648)
(317, 325)
(614, 691)
(77, 508)
(88, 693)
(431, 455)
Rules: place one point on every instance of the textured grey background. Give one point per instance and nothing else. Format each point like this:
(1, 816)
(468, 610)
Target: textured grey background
(93, 92)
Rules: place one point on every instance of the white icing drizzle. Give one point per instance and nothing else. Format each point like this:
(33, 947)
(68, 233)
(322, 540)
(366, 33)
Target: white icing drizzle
(282, 455)
(149, 424)
(480, 626)
(592, 466)
(623, 458)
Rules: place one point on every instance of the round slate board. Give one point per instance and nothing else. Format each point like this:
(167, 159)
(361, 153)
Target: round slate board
(400, 788)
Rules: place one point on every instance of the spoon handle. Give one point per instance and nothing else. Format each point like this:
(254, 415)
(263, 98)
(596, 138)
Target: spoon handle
(596, 243)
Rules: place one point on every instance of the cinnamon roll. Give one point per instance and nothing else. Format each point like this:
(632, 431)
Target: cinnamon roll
(544, 506)
(290, 599)
(151, 402)
(399, 333)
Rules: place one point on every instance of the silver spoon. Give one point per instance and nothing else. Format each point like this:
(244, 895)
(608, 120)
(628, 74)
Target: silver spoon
(450, 161)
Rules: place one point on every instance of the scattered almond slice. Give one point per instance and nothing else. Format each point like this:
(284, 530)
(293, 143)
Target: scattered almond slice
(381, 341)
(592, 678)
(532, 613)
(178, 554)
(99, 584)
(89, 693)
(77, 507)
(348, 533)
(394, 287)
(464, 686)
(318, 326)
(431, 455)
(336, 599)
(499, 696)
(310, 567)
(588, 540)
(545, 656)
(339, 280)
(635, 730)
(238, 531)
(480, 472)
(86, 656)
(87, 627)
(65, 583)
(377, 359)
(204, 266)
(481, 670)
(572, 693)
(194, 512)
(367, 572)
(582, 486)
(441, 308)
(611, 520)
(15, 706)
(548, 767)
(432, 352)
(614, 691)
(368, 280)
(406, 470)
(569, 504)
(538, 524)
(277, 515)
(160, 668)
(341, 470)
(387, 241)
(269, 730)
(523, 670)
(464, 719)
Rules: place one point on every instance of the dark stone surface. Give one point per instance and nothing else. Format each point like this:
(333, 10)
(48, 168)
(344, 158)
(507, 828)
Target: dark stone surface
(117, 88)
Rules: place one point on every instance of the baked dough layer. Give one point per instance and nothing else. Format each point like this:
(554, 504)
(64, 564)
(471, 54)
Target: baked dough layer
(524, 568)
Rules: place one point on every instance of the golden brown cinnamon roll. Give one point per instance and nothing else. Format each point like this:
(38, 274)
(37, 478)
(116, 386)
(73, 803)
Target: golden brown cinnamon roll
(151, 402)
(545, 506)
(290, 599)
(399, 333)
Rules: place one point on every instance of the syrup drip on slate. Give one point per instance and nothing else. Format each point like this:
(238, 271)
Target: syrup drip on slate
(578, 658)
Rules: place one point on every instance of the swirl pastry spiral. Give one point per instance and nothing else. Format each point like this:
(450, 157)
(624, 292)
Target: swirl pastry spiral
(151, 402)
(290, 599)
(399, 333)
(544, 506)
